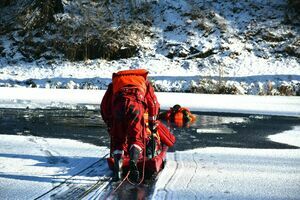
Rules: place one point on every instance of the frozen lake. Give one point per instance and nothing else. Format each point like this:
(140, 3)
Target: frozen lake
(210, 130)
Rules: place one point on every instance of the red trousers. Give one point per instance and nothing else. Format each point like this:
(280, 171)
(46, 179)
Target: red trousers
(128, 127)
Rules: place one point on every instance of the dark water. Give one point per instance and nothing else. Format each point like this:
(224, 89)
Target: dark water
(210, 130)
(247, 131)
(83, 125)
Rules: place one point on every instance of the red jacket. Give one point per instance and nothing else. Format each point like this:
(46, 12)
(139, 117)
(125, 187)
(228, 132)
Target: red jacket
(106, 106)
(135, 78)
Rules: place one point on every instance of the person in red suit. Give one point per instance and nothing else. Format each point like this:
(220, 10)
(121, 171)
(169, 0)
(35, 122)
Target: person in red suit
(178, 116)
(127, 99)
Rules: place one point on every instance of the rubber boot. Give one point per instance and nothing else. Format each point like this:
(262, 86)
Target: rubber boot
(118, 162)
(134, 153)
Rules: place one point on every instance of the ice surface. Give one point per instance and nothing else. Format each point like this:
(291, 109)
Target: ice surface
(291, 137)
(31, 166)
(230, 173)
(59, 98)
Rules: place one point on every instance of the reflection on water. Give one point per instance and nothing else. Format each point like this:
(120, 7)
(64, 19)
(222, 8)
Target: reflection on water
(209, 130)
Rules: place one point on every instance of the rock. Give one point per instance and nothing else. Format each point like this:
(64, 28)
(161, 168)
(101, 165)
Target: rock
(203, 54)
(193, 50)
(292, 15)
(205, 25)
(234, 55)
(30, 83)
(147, 22)
(170, 28)
(272, 37)
(286, 90)
(293, 50)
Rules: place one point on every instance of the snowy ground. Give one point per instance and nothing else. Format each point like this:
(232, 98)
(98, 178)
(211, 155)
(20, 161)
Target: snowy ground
(31, 166)
(230, 173)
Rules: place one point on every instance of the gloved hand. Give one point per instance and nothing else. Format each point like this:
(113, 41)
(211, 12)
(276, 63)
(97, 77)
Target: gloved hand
(153, 125)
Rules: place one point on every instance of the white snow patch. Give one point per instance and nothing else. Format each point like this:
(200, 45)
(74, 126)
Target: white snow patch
(230, 173)
(291, 137)
(31, 166)
(247, 104)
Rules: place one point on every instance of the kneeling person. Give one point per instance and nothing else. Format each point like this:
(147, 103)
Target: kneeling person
(128, 97)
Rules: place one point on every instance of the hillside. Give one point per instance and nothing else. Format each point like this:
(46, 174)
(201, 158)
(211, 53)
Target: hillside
(215, 46)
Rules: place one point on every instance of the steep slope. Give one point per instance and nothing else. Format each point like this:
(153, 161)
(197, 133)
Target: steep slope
(230, 47)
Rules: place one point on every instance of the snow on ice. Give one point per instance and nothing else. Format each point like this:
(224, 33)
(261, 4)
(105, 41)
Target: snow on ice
(290, 137)
(230, 173)
(91, 99)
(31, 166)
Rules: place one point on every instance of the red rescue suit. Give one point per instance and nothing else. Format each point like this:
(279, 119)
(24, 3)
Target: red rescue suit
(179, 116)
(127, 98)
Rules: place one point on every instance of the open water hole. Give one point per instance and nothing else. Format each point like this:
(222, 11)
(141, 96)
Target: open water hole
(209, 130)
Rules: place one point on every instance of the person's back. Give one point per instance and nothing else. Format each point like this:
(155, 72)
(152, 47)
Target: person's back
(131, 96)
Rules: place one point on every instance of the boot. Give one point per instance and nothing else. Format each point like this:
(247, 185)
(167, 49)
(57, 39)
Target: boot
(134, 153)
(118, 162)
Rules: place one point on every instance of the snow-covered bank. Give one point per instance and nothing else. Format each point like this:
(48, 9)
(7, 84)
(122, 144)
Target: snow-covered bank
(220, 46)
(31, 166)
(229, 173)
(63, 98)
(170, 76)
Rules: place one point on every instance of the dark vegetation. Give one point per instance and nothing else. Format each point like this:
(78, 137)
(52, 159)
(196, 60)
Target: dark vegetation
(88, 30)
(111, 29)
